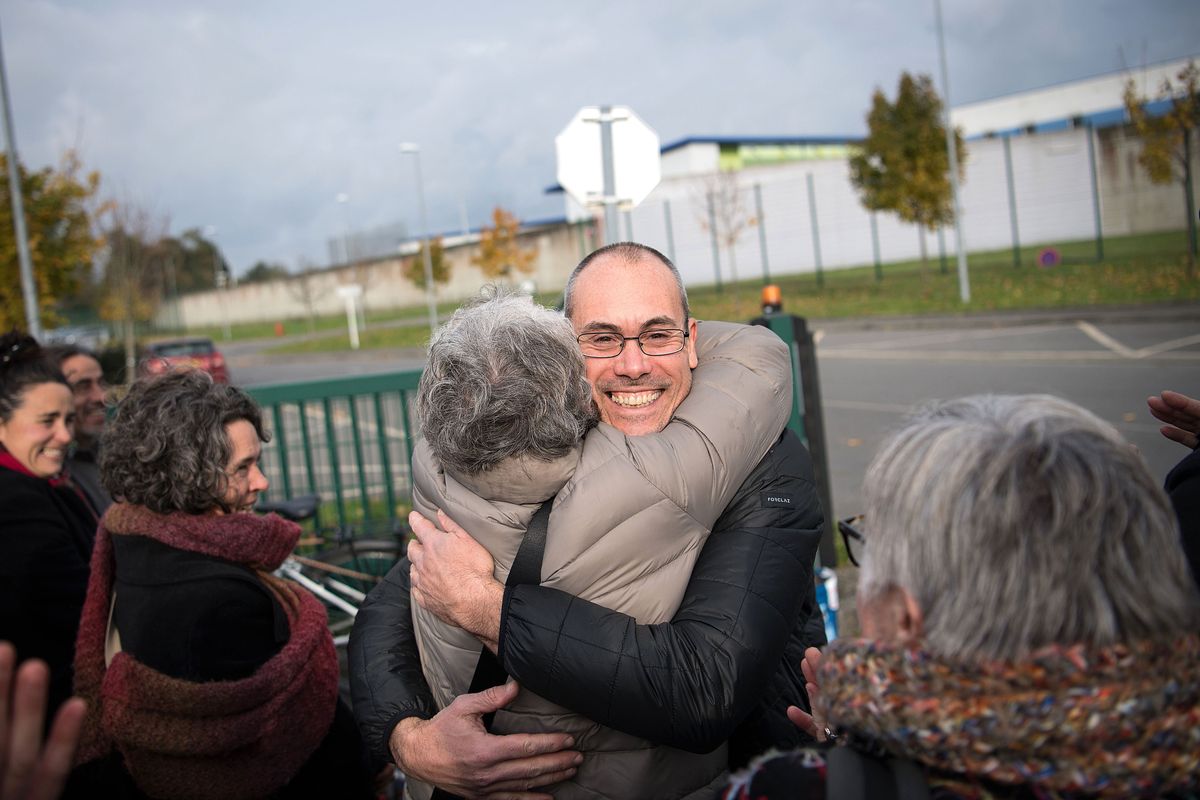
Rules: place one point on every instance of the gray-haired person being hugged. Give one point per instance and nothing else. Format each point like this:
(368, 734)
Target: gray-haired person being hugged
(205, 675)
(508, 415)
(1028, 619)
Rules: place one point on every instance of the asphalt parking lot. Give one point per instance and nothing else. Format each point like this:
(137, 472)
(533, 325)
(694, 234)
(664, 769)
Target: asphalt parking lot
(871, 378)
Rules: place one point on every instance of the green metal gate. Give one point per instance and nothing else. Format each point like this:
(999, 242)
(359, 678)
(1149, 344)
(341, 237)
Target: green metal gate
(349, 440)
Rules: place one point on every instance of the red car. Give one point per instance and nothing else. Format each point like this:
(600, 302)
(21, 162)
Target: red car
(190, 353)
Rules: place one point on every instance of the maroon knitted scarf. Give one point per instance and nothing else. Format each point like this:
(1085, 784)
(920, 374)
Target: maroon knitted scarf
(221, 739)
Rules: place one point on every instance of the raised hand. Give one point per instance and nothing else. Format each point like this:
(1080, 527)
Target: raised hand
(29, 768)
(1181, 415)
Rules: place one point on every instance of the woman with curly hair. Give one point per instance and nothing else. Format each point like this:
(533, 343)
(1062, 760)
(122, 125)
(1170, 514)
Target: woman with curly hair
(46, 527)
(206, 675)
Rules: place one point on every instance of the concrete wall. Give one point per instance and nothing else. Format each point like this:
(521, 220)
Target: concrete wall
(383, 282)
(1129, 202)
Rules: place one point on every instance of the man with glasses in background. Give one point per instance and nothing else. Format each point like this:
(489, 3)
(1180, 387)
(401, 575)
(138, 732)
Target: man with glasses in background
(723, 669)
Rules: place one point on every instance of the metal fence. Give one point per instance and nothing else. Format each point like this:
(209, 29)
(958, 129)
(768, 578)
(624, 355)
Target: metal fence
(806, 216)
(349, 440)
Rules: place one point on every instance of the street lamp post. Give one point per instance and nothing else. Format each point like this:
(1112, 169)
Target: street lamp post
(33, 320)
(220, 280)
(964, 281)
(426, 246)
(342, 199)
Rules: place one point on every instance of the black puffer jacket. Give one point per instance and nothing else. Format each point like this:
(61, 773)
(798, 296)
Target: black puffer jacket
(724, 668)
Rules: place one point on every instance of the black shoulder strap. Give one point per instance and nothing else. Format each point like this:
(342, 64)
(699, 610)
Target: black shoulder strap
(526, 569)
(527, 566)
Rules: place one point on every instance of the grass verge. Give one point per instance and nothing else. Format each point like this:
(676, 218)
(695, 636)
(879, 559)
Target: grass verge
(1148, 268)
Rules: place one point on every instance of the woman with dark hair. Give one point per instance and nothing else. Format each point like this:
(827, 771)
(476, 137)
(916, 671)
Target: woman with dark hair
(206, 675)
(46, 528)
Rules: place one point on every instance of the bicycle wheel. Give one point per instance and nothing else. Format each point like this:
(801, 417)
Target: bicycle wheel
(350, 571)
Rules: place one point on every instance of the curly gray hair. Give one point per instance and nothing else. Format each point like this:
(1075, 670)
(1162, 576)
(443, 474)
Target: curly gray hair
(1023, 521)
(504, 378)
(167, 449)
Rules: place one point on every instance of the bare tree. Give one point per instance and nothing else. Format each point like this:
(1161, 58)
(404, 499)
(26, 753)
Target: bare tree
(303, 288)
(132, 284)
(723, 212)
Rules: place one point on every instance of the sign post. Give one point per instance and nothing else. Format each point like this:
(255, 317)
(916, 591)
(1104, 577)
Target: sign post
(609, 157)
(351, 292)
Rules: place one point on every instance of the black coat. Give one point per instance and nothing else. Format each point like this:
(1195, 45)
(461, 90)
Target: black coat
(202, 618)
(1183, 487)
(46, 537)
(724, 668)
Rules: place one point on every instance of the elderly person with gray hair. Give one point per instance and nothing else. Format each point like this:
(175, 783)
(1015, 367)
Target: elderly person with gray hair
(505, 405)
(1028, 620)
(205, 675)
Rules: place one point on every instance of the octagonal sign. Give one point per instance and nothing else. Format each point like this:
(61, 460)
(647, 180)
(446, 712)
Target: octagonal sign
(636, 157)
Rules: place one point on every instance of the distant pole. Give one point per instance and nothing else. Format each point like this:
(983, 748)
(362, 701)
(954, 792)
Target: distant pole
(426, 245)
(1012, 201)
(670, 230)
(220, 280)
(628, 225)
(612, 233)
(762, 232)
(816, 231)
(1091, 139)
(33, 321)
(342, 199)
(583, 251)
(875, 247)
(942, 249)
(964, 280)
(716, 250)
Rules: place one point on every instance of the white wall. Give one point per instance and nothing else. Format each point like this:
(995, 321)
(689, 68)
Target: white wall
(1052, 186)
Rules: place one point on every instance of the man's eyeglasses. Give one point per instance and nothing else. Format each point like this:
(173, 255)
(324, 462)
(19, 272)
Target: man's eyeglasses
(855, 542)
(654, 342)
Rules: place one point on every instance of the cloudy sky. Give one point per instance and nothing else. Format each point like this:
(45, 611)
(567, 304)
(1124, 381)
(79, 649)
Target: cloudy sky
(252, 116)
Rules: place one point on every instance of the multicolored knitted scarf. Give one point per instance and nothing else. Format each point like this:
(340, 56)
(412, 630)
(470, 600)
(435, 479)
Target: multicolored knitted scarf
(1121, 721)
(222, 739)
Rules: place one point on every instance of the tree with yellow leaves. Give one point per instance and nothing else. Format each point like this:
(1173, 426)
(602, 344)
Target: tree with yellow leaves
(903, 164)
(439, 265)
(1167, 138)
(59, 219)
(500, 252)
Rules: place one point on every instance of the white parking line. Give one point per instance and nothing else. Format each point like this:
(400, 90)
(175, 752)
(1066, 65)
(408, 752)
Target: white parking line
(977, 355)
(1104, 340)
(941, 337)
(1172, 344)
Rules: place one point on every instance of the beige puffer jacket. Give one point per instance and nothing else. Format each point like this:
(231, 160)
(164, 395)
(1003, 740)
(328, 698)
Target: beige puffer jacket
(628, 522)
